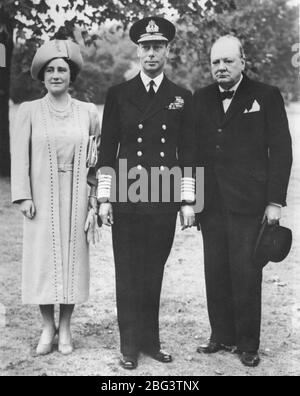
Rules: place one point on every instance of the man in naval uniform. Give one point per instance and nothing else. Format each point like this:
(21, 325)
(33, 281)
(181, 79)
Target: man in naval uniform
(244, 144)
(147, 121)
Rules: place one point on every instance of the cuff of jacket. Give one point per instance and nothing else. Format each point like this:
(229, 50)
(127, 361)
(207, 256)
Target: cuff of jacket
(188, 189)
(104, 188)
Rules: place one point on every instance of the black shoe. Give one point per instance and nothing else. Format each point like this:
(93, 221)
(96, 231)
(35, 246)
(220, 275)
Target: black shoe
(161, 356)
(212, 347)
(128, 362)
(250, 359)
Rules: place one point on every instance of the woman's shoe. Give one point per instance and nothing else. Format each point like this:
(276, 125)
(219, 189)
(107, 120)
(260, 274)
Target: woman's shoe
(65, 349)
(44, 349)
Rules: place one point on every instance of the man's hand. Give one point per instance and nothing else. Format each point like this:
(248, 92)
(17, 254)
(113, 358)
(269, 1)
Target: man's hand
(272, 214)
(187, 216)
(91, 227)
(28, 209)
(106, 214)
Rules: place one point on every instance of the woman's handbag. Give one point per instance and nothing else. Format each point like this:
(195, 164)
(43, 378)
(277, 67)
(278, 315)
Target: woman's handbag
(92, 152)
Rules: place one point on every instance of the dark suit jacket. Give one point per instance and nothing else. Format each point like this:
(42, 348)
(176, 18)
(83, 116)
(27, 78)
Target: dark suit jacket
(248, 155)
(147, 134)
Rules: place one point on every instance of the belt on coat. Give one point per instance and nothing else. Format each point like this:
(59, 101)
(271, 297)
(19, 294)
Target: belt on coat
(65, 168)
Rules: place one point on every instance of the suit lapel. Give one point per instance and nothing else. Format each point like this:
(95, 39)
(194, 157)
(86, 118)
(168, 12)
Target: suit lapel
(138, 94)
(216, 106)
(160, 101)
(239, 100)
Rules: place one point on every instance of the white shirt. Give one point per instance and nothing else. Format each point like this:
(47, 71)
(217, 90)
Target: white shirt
(227, 102)
(157, 81)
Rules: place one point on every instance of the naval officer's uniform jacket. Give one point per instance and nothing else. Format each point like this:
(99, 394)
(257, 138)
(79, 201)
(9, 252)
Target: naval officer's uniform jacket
(157, 132)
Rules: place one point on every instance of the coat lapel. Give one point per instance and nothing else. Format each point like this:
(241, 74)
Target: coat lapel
(215, 105)
(239, 101)
(138, 94)
(160, 101)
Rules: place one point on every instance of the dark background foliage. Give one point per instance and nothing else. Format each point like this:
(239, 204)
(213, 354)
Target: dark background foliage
(267, 28)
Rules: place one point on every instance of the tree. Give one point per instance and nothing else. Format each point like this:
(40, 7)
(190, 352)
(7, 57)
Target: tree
(268, 30)
(31, 18)
(105, 64)
(22, 87)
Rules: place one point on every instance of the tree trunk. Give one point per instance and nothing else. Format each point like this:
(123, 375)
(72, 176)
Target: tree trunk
(6, 38)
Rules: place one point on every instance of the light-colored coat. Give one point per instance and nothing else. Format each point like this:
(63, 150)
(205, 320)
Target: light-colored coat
(34, 175)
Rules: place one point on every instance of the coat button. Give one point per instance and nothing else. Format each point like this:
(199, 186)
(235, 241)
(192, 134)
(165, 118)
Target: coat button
(140, 140)
(139, 153)
(141, 126)
(220, 130)
(162, 154)
(218, 148)
(139, 167)
(163, 140)
(164, 127)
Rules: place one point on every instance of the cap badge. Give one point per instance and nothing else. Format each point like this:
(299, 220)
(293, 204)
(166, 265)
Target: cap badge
(152, 27)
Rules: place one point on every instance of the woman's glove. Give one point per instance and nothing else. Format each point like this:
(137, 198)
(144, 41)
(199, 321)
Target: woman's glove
(27, 207)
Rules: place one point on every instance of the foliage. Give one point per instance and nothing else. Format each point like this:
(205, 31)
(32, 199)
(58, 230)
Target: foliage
(108, 60)
(33, 17)
(105, 64)
(30, 19)
(267, 28)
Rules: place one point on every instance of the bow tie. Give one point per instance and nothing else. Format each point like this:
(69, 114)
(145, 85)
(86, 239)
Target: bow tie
(227, 95)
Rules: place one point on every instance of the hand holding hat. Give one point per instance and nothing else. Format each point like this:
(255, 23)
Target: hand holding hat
(274, 243)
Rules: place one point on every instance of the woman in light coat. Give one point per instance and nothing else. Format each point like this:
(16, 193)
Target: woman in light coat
(50, 178)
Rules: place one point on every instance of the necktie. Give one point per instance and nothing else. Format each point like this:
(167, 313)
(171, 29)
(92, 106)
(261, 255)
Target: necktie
(151, 91)
(227, 95)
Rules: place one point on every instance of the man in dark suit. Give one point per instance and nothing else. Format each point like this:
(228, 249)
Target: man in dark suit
(244, 144)
(147, 125)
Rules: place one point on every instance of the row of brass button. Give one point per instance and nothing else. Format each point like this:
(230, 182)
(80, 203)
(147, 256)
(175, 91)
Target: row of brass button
(164, 127)
(140, 154)
(140, 140)
(139, 167)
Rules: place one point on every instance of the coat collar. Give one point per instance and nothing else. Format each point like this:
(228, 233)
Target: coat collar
(157, 80)
(161, 100)
(239, 101)
(137, 93)
(216, 106)
(139, 97)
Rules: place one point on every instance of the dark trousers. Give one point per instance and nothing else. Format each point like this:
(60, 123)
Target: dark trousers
(142, 244)
(233, 281)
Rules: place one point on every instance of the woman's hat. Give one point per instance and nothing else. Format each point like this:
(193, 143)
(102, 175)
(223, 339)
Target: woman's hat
(152, 29)
(55, 49)
(274, 243)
